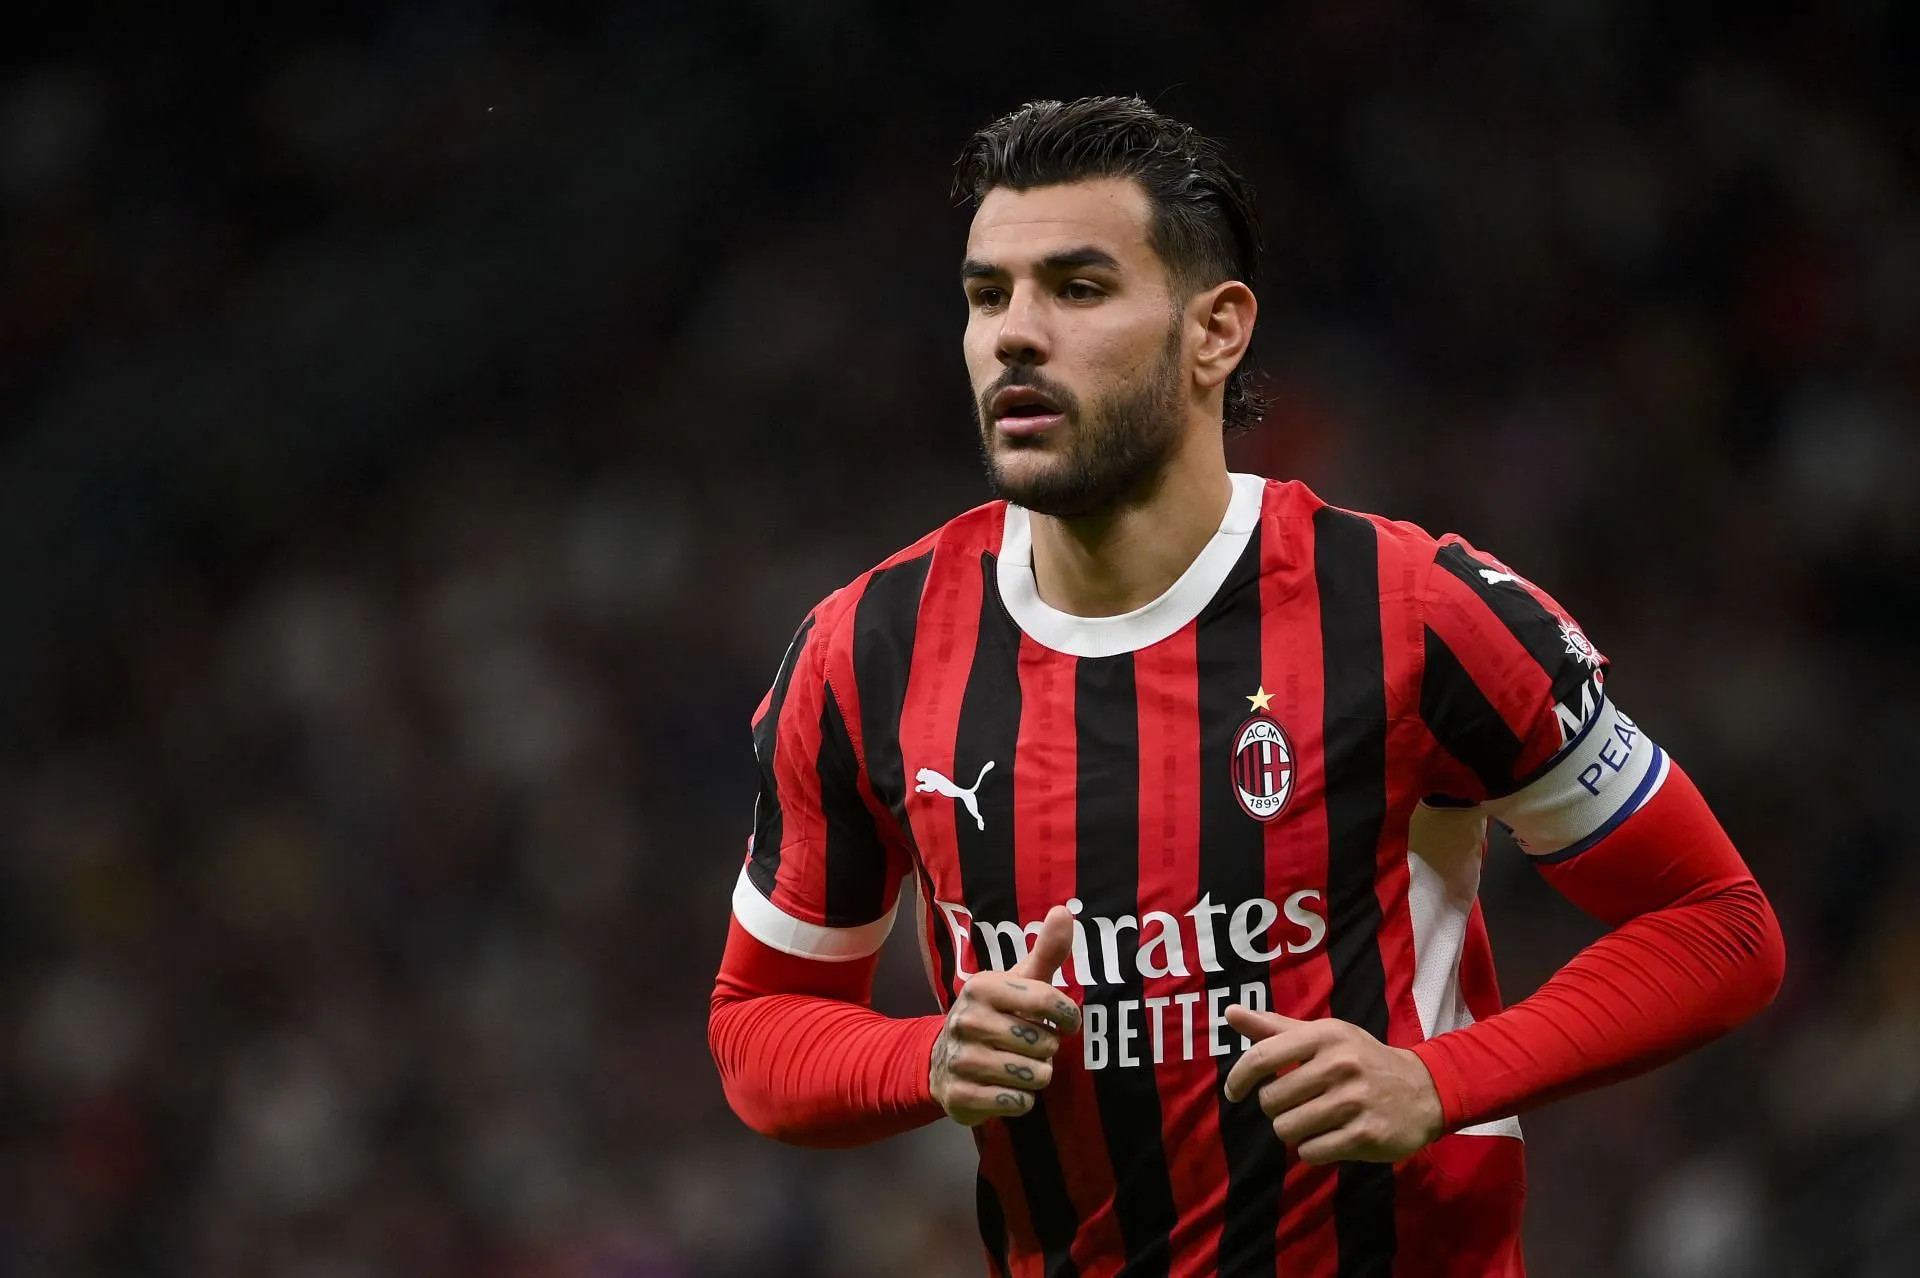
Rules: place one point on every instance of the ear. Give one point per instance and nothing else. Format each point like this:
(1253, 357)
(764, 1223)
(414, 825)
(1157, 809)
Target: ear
(1224, 316)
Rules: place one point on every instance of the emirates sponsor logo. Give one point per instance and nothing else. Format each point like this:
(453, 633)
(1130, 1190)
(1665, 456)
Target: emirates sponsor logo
(1179, 1024)
(1158, 943)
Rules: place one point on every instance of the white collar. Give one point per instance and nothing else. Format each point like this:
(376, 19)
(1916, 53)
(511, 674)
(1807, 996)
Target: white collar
(1150, 622)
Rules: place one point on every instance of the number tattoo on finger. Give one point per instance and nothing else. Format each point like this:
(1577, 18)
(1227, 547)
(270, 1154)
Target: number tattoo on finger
(1028, 1034)
(1022, 1072)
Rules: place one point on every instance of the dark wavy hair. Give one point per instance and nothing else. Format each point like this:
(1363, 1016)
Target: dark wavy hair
(1205, 227)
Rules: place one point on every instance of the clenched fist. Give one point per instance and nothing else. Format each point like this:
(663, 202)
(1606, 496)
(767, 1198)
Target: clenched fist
(1001, 1034)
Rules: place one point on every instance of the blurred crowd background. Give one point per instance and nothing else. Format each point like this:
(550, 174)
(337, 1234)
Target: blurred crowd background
(423, 424)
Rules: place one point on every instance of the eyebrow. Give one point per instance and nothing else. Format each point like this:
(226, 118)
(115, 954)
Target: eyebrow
(1076, 259)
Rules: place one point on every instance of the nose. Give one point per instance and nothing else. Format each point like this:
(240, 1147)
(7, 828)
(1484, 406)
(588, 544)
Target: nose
(1022, 338)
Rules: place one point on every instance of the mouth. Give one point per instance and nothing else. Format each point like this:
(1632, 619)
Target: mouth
(1020, 411)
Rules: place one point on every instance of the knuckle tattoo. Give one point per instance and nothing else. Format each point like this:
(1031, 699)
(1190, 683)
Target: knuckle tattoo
(1019, 1071)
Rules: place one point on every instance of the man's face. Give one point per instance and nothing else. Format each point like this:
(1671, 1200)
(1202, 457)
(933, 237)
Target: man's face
(1073, 345)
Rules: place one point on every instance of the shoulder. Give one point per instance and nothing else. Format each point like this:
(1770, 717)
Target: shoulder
(1439, 582)
(1401, 552)
(1429, 567)
(887, 597)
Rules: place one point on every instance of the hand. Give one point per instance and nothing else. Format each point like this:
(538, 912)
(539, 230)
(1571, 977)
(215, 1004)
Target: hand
(997, 1047)
(1335, 1091)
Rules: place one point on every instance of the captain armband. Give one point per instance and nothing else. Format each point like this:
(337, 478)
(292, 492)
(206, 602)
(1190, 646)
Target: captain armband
(1603, 776)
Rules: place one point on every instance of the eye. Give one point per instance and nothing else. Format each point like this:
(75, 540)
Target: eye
(988, 297)
(1081, 291)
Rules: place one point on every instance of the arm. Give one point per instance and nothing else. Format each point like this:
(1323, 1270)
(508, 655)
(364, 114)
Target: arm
(803, 1056)
(806, 1060)
(1695, 951)
(1514, 693)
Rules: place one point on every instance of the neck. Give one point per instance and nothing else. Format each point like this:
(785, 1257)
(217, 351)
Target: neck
(1106, 564)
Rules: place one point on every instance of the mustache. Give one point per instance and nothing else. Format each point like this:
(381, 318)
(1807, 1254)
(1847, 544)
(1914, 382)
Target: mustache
(1032, 378)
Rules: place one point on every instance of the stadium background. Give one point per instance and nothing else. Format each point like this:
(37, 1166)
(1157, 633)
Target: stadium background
(422, 425)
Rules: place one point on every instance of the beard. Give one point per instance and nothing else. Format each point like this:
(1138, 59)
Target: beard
(1112, 454)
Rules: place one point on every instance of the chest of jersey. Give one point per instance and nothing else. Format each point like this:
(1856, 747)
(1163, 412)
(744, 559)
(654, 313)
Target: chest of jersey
(1213, 806)
(1174, 798)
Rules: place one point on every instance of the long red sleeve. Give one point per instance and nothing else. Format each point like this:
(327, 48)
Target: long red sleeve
(804, 1057)
(1694, 952)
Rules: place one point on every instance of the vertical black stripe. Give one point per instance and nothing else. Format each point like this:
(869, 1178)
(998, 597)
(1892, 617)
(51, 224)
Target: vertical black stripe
(856, 868)
(990, 730)
(886, 624)
(1233, 868)
(993, 1224)
(1537, 629)
(1347, 569)
(1463, 721)
(1107, 880)
(769, 828)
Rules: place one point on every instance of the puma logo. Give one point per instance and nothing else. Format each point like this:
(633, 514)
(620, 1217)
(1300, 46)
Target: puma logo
(932, 782)
(1495, 578)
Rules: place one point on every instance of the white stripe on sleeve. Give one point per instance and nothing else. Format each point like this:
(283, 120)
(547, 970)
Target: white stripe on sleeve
(773, 926)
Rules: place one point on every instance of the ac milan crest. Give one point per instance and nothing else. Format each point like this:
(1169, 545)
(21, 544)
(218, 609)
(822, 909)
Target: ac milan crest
(1262, 767)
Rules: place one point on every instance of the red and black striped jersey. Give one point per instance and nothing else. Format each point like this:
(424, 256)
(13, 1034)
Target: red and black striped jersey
(1269, 786)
